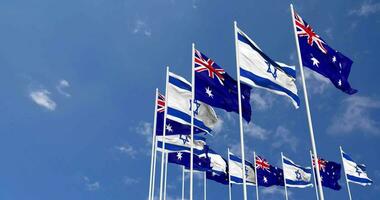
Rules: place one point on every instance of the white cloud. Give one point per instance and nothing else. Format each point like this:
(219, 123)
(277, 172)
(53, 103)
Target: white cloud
(261, 101)
(366, 8)
(140, 27)
(130, 180)
(127, 149)
(91, 186)
(145, 129)
(272, 191)
(41, 97)
(61, 86)
(283, 137)
(355, 114)
(218, 126)
(315, 82)
(256, 131)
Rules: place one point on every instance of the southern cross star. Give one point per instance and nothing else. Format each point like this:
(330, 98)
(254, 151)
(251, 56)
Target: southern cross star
(169, 128)
(209, 92)
(179, 156)
(334, 59)
(315, 61)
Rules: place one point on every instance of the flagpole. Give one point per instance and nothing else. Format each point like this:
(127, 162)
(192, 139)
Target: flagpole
(204, 186)
(152, 160)
(315, 182)
(240, 114)
(166, 174)
(314, 148)
(154, 164)
(229, 176)
(257, 183)
(345, 174)
(164, 132)
(192, 120)
(183, 182)
(286, 190)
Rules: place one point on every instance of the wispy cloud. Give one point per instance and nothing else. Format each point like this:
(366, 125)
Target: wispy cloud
(366, 8)
(62, 85)
(141, 27)
(130, 181)
(41, 97)
(272, 191)
(145, 129)
(316, 83)
(355, 114)
(262, 101)
(256, 131)
(127, 149)
(91, 186)
(283, 137)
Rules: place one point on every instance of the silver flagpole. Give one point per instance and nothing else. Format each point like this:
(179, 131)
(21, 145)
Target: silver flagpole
(163, 133)
(154, 167)
(315, 181)
(240, 113)
(229, 176)
(166, 174)
(183, 182)
(313, 145)
(192, 121)
(257, 183)
(345, 175)
(286, 190)
(204, 186)
(152, 160)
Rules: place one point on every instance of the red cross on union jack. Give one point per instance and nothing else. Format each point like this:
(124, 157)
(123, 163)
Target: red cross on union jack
(262, 163)
(305, 30)
(321, 164)
(202, 63)
(160, 103)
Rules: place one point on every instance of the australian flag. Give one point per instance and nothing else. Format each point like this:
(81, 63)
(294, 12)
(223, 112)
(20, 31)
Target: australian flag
(268, 175)
(172, 127)
(330, 173)
(183, 158)
(320, 57)
(215, 87)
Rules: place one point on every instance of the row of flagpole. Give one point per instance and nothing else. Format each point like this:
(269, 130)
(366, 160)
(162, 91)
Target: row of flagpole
(164, 156)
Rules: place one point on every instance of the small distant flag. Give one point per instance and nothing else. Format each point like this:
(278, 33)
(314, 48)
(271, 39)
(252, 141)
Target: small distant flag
(356, 173)
(235, 169)
(268, 175)
(183, 158)
(330, 173)
(218, 171)
(179, 106)
(321, 58)
(215, 87)
(258, 70)
(296, 175)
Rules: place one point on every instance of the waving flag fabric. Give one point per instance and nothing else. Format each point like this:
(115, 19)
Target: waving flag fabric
(179, 106)
(235, 169)
(330, 173)
(219, 168)
(321, 58)
(172, 127)
(215, 87)
(296, 175)
(175, 143)
(258, 70)
(268, 175)
(183, 158)
(356, 173)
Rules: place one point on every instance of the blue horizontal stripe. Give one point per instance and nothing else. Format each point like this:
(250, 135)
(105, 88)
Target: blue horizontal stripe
(359, 180)
(239, 180)
(290, 71)
(237, 159)
(179, 83)
(288, 162)
(268, 84)
(187, 118)
(347, 157)
(177, 148)
(297, 183)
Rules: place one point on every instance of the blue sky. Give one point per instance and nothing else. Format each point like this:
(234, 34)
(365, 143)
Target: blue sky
(78, 80)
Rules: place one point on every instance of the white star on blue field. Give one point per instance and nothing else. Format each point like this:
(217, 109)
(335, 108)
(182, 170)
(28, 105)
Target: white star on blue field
(78, 80)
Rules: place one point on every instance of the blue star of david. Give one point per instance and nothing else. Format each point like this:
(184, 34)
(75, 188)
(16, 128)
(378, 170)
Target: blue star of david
(298, 175)
(197, 105)
(358, 170)
(269, 70)
(184, 138)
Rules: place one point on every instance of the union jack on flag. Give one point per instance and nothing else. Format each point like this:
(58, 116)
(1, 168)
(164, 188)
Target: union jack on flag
(262, 163)
(321, 164)
(305, 30)
(160, 103)
(202, 63)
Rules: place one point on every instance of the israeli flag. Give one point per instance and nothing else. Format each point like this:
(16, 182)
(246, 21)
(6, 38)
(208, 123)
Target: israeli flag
(295, 175)
(258, 70)
(178, 143)
(235, 169)
(356, 173)
(179, 105)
